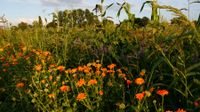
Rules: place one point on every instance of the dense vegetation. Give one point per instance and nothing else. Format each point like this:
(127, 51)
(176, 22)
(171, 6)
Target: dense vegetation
(80, 63)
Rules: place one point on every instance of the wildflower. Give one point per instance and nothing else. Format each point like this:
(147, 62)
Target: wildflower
(101, 92)
(148, 93)
(104, 69)
(119, 71)
(64, 88)
(142, 73)
(151, 89)
(81, 96)
(51, 96)
(50, 78)
(180, 110)
(92, 82)
(80, 68)
(61, 68)
(162, 92)
(139, 81)
(168, 111)
(97, 72)
(20, 85)
(80, 83)
(46, 53)
(73, 70)
(43, 81)
(140, 96)
(38, 67)
(128, 82)
(103, 74)
(196, 104)
(98, 66)
(111, 66)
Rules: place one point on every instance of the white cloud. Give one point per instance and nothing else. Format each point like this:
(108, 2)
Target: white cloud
(26, 20)
(60, 2)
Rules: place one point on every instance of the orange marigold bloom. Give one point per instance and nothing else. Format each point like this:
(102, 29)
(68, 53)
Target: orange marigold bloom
(111, 66)
(162, 92)
(52, 96)
(43, 81)
(103, 74)
(140, 96)
(74, 70)
(80, 83)
(128, 82)
(20, 85)
(98, 65)
(50, 78)
(61, 68)
(98, 72)
(81, 96)
(180, 110)
(104, 69)
(92, 82)
(142, 73)
(80, 68)
(101, 92)
(64, 88)
(151, 89)
(38, 67)
(139, 81)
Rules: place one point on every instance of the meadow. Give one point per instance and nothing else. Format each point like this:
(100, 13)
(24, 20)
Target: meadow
(78, 62)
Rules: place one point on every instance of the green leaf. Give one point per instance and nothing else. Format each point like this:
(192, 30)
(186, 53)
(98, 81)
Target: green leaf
(196, 65)
(109, 6)
(102, 1)
(147, 2)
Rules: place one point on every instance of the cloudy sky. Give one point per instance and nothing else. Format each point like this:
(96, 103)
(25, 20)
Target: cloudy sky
(28, 10)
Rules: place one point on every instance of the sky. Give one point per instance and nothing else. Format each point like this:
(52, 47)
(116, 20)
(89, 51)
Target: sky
(17, 11)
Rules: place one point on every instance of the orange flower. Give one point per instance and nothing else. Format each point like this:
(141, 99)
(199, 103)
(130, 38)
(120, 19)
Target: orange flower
(80, 83)
(98, 66)
(140, 96)
(92, 82)
(73, 70)
(20, 85)
(139, 81)
(81, 96)
(162, 92)
(111, 66)
(64, 88)
(180, 110)
(151, 89)
(101, 92)
(97, 72)
(104, 69)
(128, 82)
(61, 68)
(43, 81)
(50, 78)
(142, 72)
(51, 96)
(103, 74)
(80, 68)
(38, 67)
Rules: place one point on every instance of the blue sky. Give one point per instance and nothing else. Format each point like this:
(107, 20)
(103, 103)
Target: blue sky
(28, 10)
